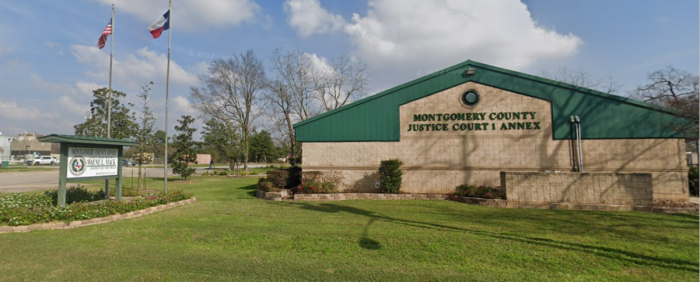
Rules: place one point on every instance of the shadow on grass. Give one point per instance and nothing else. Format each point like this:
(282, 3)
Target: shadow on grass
(251, 190)
(612, 253)
(365, 241)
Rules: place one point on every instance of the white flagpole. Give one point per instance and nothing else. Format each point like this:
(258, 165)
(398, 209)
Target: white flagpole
(167, 88)
(109, 102)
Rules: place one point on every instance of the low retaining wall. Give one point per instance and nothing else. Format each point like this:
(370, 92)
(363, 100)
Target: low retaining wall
(578, 189)
(285, 196)
(499, 203)
(99, 220)
(273, 196)
(367, 196)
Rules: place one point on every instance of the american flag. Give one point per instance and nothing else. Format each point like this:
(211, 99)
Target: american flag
(103, 38)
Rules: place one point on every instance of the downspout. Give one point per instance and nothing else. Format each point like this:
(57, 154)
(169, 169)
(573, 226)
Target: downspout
(580, 150)
(576, 122)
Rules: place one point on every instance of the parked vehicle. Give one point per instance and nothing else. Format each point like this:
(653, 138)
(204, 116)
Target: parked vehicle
(128, 162)
(42, 160)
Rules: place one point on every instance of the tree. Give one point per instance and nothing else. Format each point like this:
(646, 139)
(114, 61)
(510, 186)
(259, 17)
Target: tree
(233, 90)
(582, 78)
(123, 121)
(674, 89)
(671, 88)
(144, 132)
(158, 143)
(223, 137)
(343, 80)
(292, 92)
(184, 148)
(261, 147)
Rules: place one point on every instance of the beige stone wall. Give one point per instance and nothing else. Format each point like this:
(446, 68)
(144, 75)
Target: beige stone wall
(437, 161)
(633, 189)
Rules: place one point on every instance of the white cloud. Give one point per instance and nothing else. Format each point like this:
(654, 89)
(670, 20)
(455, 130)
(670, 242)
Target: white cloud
(138, 68)
(435, 35)
(308, 17)
(183, 105)
(191, 15)
(318, 63)
(12, 111)
(73, 99)
(400, 39)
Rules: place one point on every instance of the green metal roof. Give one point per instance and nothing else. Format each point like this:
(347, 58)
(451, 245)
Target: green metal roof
(603, 116)
(87, 140)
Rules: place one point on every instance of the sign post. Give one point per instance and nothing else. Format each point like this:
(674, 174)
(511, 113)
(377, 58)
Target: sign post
(88, 158)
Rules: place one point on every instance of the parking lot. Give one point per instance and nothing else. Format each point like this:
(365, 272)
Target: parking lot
(41, 179)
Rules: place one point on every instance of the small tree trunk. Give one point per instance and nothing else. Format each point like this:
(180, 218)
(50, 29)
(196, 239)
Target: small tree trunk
(140, 179)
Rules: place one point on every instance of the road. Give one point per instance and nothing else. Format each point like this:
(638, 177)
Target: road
(13, 182)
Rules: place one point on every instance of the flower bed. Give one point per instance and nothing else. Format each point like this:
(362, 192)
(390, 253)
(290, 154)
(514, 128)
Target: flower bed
(23, 209)
(483, 192)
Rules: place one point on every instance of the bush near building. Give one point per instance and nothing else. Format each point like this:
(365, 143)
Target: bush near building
(693, 181)
(390, 176)
(317, 188)
(478, 192)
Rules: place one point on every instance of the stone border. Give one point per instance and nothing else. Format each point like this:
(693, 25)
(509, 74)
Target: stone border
(498, 203)
(368, 196)
(285, 196)
(87, 222)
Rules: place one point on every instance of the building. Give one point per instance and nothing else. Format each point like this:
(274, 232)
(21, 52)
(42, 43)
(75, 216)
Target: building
(27, 143)
(5, 147)
(468, 123)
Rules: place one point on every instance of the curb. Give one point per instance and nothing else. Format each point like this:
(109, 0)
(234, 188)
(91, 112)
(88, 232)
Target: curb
(93, 221)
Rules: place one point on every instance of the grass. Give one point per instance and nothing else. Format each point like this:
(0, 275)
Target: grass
(228, 234)
(25, 168)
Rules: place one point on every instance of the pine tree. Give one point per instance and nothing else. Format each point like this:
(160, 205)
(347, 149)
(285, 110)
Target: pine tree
(123, 121)
(184, 147)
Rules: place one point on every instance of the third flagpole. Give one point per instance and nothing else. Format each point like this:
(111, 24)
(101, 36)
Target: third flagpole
(109, 100)
(167, 88)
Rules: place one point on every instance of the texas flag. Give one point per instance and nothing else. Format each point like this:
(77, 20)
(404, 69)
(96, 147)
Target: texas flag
(161, 24)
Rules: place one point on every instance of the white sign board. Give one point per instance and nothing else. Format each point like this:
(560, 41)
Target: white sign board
(89, 162)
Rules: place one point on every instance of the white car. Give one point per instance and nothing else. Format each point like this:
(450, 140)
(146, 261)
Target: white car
(42, 160)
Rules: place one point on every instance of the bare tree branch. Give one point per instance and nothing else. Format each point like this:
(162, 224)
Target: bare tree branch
(233, 90)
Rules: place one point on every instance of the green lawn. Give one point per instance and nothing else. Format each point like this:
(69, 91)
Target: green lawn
(228, 234)
(25, 168)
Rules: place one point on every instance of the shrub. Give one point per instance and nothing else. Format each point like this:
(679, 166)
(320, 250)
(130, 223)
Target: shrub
(278, 177)
(282, 178)
(478, 192)
(390, 176)
(205, 173)
(223, 173)
(294, 176)
(316, 188)
(334, 178)
(78, 194)
(265, 184)
(693, 181)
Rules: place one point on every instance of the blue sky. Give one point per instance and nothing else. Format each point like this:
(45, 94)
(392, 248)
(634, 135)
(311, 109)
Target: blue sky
(49, 63)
